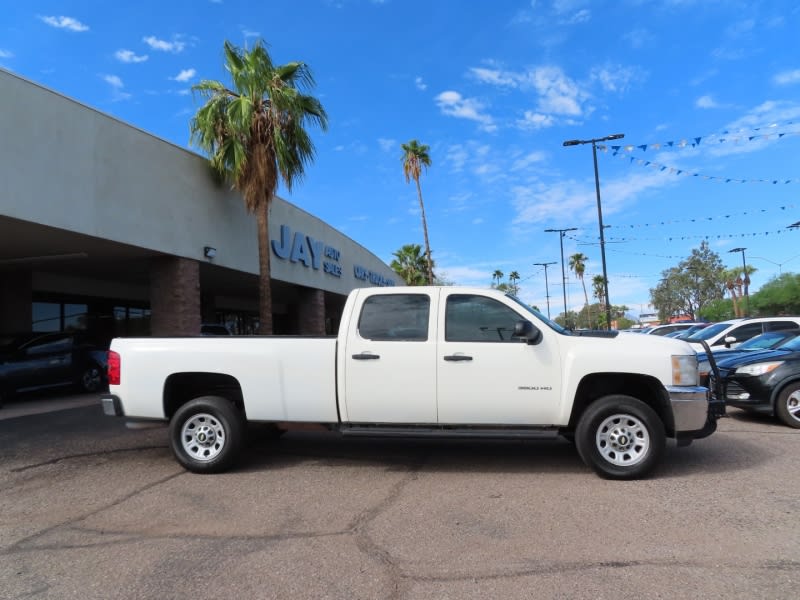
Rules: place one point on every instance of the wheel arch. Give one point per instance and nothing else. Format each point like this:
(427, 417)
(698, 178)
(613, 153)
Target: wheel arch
(180, 388)
(778, 389)
(645, 388)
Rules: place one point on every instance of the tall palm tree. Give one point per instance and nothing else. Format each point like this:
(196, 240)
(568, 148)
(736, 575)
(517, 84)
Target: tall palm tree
(497, 275)
(513, 278)
(731, 277)
(577, 264)
(410, 264)
(415, 158)
(254, 134)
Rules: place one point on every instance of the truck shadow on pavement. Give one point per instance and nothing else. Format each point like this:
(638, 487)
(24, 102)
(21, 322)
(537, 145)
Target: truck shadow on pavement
(713, 455)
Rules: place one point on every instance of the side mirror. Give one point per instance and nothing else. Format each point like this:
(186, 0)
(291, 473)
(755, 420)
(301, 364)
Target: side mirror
(526, 330)
(729, 340)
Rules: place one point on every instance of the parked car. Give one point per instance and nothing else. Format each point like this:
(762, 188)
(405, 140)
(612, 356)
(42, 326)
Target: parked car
(767, 382)
(38, 361)
(667, 329)
(735, 331)
(682, 335)
(760, 343)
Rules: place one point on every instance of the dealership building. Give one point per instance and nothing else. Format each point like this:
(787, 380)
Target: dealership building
(109, 229)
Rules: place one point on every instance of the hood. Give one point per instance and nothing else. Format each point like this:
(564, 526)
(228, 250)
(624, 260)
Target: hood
(757, 357)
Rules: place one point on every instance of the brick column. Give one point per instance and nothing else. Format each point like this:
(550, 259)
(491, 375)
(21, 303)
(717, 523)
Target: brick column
(311, 312)
(174, 296)
(16, 301)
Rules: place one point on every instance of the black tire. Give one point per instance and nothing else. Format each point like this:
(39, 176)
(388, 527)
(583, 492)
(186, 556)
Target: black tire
(620, 437)
(91, 379)
(207, 434)
(787, 406)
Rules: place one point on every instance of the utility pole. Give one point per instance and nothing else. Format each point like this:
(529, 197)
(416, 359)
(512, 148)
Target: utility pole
(562, 233)
(546, 287)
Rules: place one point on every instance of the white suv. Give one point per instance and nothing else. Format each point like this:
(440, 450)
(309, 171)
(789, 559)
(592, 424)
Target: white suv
(732, 333)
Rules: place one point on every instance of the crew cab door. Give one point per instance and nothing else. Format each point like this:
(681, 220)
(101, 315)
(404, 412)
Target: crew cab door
(390, 361)
(484, 376)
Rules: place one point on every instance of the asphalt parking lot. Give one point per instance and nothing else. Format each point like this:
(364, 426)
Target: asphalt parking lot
(90, 509)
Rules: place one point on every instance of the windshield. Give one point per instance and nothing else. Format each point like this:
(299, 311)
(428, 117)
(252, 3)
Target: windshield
(766, 340)
(708, 333)
(793, 345)
(551, 324)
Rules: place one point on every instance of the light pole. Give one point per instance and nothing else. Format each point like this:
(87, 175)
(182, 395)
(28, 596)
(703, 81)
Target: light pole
(546, 287)
(593, 142)
(744, 280)
(561, 233)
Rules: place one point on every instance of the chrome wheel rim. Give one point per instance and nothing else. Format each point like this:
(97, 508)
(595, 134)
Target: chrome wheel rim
(203, 437)
(793, 405)
(622, 440)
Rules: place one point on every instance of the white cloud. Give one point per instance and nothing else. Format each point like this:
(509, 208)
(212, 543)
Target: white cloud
(65, 23)
(706, 102)
(787, 77)
(558, 94)
(421, 85)
(614, 78)
(113, 81)
(250, 34)
(582, 16)
(457, 156)
(129, 56)
(527, 161)
(495, 77)
(5, 54)
(534, 120)
(454, 105)
(638, 37)
(184, 76)
(174, 46)
(116, 86)
(388, 144)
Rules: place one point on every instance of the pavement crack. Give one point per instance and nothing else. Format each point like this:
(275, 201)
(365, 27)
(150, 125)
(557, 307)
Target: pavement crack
(20, 544)
(59, 459)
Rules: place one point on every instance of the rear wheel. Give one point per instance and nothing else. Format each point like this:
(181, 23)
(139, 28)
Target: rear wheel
(788, 405)
(206, 434)
(91, 379)
(620, 437)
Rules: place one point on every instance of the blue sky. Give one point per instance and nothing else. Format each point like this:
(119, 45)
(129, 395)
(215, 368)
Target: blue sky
(707, 94)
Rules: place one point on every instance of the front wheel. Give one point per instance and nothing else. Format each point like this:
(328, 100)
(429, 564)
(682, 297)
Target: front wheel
(620, 437)
(788, 405)
(206, 434)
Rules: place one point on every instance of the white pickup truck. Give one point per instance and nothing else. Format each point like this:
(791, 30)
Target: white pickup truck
(420, 362)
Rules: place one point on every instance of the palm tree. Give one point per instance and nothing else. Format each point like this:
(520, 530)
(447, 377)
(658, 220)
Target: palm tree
(497, 275)
(254, 134)
(577, 264)
(513, 278)
(598, 289)
(410, 264)
(731, 277)
(415, 157)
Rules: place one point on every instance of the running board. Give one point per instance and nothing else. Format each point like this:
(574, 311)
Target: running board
(508, 433)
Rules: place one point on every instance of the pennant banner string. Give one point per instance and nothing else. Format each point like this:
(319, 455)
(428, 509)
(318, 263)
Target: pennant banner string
(722, 236)
(689, 173)
(726, 137)
(701, 219)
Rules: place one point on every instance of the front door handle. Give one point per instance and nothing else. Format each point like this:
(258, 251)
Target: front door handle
(366, 356)
(457, 357)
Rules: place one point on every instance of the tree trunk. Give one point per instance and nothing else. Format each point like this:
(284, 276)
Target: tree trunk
(264, 274)
(732, 290)
(425, 232)
(586, 300)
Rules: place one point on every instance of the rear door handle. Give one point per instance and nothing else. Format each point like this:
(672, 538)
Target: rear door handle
(457, 357)
(366, 356)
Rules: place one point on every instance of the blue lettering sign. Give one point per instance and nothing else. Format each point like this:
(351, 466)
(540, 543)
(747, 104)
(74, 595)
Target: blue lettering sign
(316, 251)
(282, 250)
(299, 252)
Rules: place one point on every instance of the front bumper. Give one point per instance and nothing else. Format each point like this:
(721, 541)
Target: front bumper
(694, 412)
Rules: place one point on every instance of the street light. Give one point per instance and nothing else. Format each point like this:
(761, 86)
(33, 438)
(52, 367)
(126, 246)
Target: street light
(563, 274)
(593, 142)
(744, 269)
(546, 287)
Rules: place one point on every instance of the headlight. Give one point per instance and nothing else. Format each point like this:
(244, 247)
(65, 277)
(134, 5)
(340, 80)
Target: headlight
(684, 370)
(759, 368)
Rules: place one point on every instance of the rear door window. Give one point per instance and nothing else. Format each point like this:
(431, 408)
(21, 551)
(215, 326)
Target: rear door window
(395, 317)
